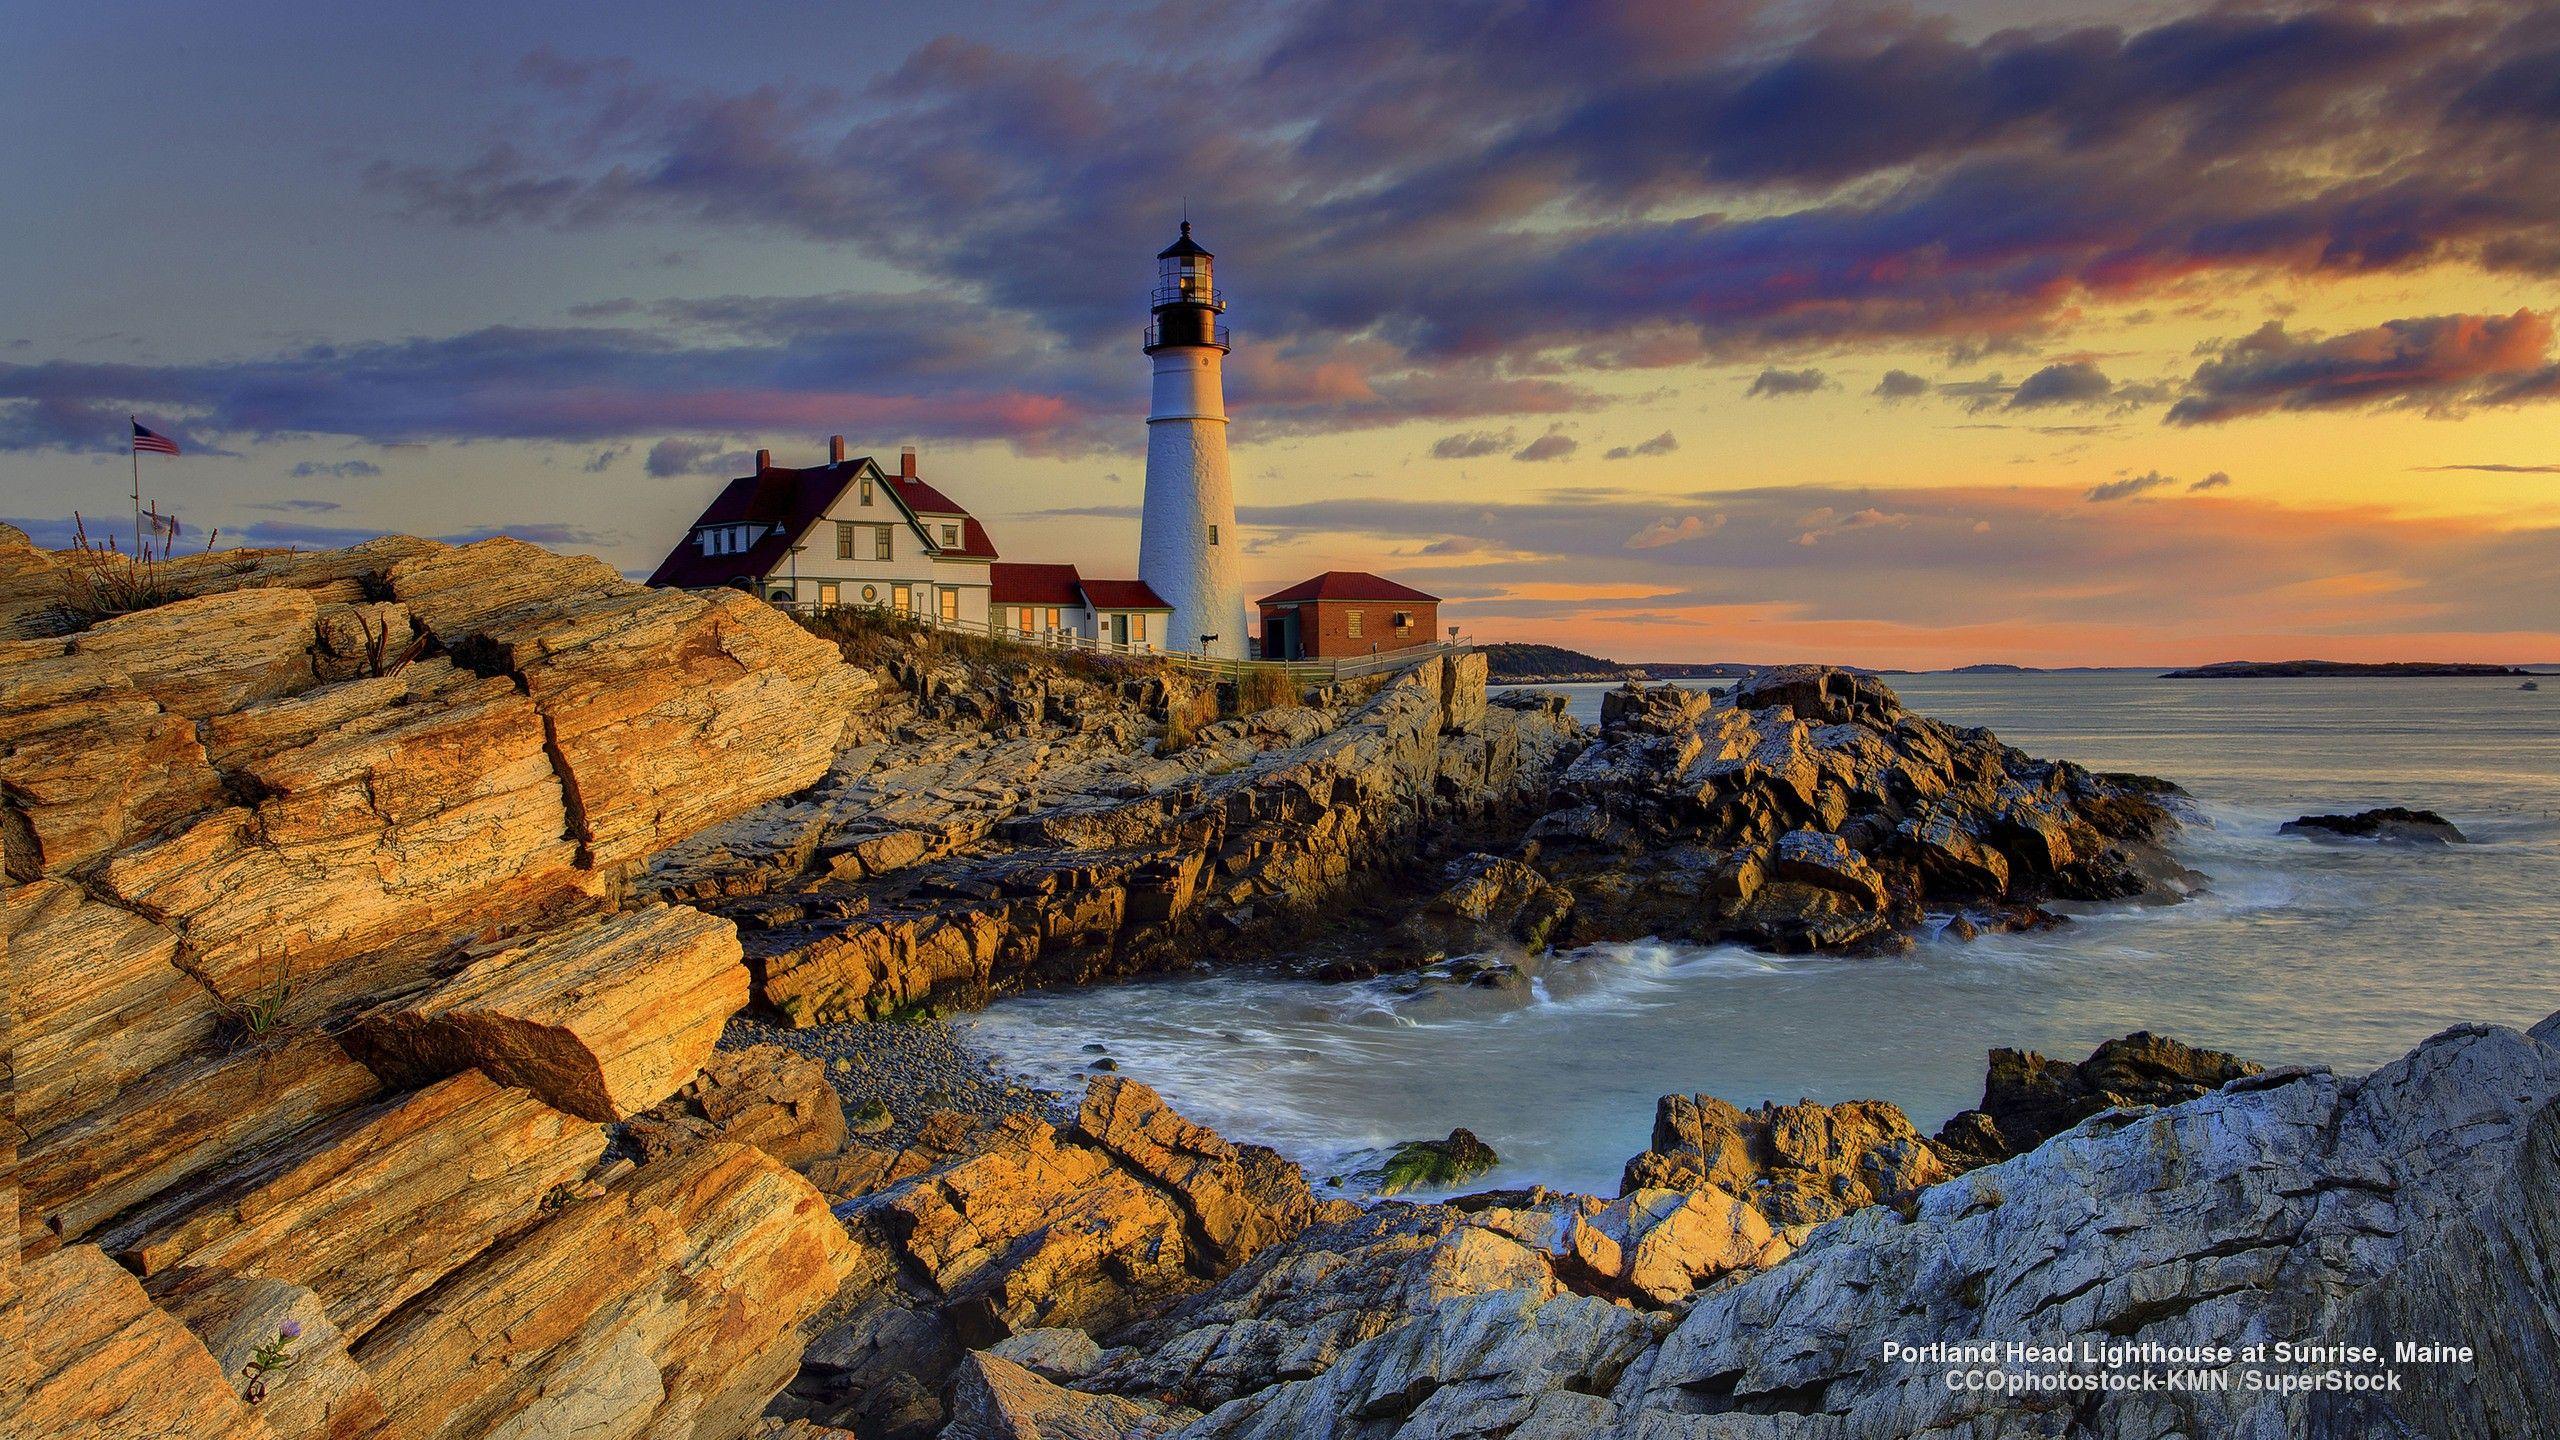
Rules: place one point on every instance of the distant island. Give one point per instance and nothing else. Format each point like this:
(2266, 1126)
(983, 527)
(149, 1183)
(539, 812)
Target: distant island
(1520, 664)
(2313, 669)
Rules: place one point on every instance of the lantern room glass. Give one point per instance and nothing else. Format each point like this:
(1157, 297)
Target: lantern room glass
(1185, 279)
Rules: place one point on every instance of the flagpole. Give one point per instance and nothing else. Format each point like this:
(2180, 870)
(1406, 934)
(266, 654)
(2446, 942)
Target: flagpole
(137, 487)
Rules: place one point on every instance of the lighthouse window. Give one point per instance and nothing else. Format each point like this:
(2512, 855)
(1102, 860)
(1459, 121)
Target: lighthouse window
(1213, 534)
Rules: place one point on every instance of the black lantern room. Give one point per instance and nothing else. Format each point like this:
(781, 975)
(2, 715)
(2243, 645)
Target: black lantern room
(1187, 303)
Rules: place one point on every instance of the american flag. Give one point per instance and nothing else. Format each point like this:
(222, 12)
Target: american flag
(147, 441)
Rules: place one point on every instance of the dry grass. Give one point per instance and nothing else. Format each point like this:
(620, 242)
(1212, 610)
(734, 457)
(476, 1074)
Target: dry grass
(878, 638)
(1257, 689)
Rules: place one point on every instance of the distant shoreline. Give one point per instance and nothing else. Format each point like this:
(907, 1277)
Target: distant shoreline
(2345, 670)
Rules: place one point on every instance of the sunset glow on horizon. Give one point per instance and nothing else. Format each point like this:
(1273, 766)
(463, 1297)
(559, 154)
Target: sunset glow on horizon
(2050, 334)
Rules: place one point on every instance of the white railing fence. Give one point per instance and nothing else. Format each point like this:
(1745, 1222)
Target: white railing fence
(1304, 672)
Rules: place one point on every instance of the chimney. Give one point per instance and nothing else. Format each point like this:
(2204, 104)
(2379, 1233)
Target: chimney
(835, 449)
(764, 461)
(907, 461)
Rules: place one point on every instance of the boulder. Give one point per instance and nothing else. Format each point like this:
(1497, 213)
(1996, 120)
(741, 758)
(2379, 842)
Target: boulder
(213, 654)
(1655, 1247)
(670, 1304)
(1238, 1198)
(2028, 1099)
(763, 1095)
(603, 1018)
(88, 763)
(2392, 823)
(189, 1119)
(106, 1010)
(319, 1392)
(1053, 1354)
(373, 1207)
(1798, 1164)
(993, 1398)
(1432, 1164)
(102, 1361)
(365, 851)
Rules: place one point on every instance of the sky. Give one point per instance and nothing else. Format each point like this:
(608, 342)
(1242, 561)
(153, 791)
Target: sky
(1901, 335)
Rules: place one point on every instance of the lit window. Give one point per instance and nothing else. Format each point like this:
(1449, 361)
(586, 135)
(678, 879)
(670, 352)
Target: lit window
(829, 595)
(901, 598)
(1351, 623)
(1213, 534)
(950, 603)
(1137, 627)
(1053, 617)
(844, 539)
(866, 489)
(882, 547)
(950, 537)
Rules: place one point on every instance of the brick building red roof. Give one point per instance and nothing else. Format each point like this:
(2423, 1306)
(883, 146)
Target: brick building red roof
(1347, 585)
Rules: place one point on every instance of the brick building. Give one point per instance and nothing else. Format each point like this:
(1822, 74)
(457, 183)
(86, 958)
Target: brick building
(1345, 613)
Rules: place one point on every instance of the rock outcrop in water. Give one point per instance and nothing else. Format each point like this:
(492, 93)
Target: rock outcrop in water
(2391, 823)
(1806, 809)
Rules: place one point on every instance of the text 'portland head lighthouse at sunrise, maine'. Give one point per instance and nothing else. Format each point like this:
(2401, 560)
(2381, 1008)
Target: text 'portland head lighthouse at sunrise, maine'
(1187, 547)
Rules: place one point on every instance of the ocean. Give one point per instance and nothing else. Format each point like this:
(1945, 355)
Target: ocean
(2300, 951)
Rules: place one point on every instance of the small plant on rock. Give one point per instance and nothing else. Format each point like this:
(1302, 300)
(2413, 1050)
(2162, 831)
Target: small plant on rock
(262, 1018)
(268, 1360)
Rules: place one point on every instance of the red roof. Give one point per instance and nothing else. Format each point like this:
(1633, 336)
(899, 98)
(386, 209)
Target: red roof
(1011, 584)
(1122, 595)
(1348, 585)
(793, 500)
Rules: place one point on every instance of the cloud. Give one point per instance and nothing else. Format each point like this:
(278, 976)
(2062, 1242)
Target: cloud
(1671, 531)
(696, 457)
(2440, 364)
(337, 469)
(604, 460)
(1469, 445)
(1550, 446)
(1773, 383)
(2498, 469)
(1662, 444)
(2076, 382)
(1899, 385)
(303, 506)
(2215, 481)
(2129, 487)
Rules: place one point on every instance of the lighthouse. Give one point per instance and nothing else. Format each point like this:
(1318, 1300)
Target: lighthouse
(1187, 534)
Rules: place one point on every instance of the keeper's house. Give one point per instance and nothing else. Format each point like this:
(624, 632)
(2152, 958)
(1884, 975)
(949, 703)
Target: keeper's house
(850, 533)
(1345, 613)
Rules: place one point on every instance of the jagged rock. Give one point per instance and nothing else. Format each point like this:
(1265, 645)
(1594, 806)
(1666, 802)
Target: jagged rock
(602, 1019)
(362, 640)
(995, 1399)
(106, 1010)
(669, 711)
(2028, 1099)
(1300, 1306)
(764, 1095)
(2391, 822)
(1658, 1246)
(669, 1305)
(187, 1120)
(365, 849)
(1055, 1353)
(320, 1391)
(213, 654)
(2291, 1206)
(1807, 810)
(1471, 1367)
(1238, 1198)
(88, 763)
(1798, 1164)
(102, 1361)
(374, 1207)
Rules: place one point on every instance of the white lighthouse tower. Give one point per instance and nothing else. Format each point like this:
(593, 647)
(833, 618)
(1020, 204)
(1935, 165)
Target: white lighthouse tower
(1187, 536)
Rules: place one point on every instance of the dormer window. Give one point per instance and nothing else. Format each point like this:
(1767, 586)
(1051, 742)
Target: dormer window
(950, 537)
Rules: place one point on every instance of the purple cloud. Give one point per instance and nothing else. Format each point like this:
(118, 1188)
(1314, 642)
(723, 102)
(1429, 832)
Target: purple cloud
(2441, 364)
